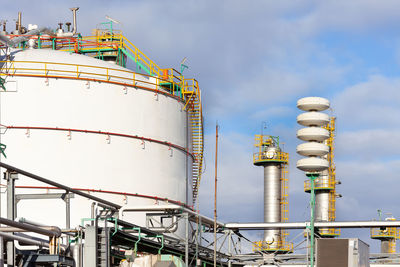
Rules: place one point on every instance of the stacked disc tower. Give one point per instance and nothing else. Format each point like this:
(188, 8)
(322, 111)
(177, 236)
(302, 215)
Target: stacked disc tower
(270, 156)
(318, 150)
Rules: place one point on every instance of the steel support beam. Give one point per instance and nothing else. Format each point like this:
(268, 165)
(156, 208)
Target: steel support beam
(66, 188)
(43, 196)
(303, 225)
(10, 176)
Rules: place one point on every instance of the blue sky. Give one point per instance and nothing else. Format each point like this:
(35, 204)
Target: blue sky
(253, 60)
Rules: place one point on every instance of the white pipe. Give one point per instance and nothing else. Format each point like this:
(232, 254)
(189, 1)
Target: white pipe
(303, 225)
(21, 247)
(25, 240)
(75, 27)
(16, 242)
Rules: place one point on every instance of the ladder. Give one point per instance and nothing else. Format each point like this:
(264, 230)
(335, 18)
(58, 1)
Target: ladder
(284, 198)
(192, 97)
(102, 247)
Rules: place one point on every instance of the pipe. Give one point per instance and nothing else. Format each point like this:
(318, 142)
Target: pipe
(19, 230)
(31, 228)
(168, 207)
(92, 212)
(21, 247)
(303, 225)
(170, 229)
(26, 36)
(75, 27)
(19, 23)
(24, 220)
(24, 240)
(1, 252)
(66, 188)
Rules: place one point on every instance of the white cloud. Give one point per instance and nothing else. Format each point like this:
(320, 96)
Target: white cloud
(370, 104)
(368, 144)
(357, 16)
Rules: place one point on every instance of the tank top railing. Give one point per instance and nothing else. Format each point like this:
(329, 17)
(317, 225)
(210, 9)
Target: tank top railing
(90, 73)
(277, 157)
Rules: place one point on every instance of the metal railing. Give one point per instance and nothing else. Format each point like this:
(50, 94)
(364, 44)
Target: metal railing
(320, 183)
(275, 246)
(86, 72)
(329, 232)
(385, 233)
(275, 157)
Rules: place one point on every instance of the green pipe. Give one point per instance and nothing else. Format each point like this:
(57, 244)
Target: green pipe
(312, 177)
(86, 220)
(162, 243)
(139, 236)
(115, 224)
(39, 41)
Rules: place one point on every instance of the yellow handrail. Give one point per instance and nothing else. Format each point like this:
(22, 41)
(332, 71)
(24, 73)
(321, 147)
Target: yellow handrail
(388, 232)
(277, 156)
(275, 246)
(81, 71)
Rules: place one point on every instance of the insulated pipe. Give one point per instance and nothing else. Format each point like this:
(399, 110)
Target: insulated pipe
(31, 228)
(75, 27)
(19, 230)
(21, 247)
(19, 23)
(24, 220)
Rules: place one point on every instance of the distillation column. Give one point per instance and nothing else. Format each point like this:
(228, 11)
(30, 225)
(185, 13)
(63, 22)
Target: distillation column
(274, 161)
(320, 137)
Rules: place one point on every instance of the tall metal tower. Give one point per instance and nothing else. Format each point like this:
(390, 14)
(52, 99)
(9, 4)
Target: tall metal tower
(325, 187)
(320, 136)
(387, 236)
(275, 162)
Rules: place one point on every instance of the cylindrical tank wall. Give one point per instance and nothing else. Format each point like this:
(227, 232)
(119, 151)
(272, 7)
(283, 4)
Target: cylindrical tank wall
(87, 160)
(272, 199)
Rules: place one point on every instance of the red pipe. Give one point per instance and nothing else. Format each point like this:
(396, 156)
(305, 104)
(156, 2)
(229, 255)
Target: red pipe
(113, 192)
(106, 133)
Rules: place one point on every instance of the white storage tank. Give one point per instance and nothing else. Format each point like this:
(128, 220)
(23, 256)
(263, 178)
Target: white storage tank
(92, 135)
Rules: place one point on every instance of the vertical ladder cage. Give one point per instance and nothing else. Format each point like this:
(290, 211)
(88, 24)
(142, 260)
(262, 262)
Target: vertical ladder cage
(192, 96)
